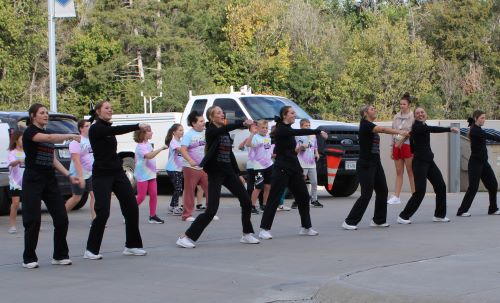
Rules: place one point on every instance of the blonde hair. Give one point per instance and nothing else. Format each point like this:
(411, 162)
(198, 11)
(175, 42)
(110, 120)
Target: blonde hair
(262, 122)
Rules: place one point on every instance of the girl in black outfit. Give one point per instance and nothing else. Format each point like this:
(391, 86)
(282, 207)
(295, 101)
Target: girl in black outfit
(220, 165)
(40, 183)
(425, 169)
(287, 172)
(479, 168)
(370, 171)
(107, 177)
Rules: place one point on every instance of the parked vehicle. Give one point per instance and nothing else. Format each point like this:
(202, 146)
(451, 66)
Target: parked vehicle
(58, 123)
(342, 143)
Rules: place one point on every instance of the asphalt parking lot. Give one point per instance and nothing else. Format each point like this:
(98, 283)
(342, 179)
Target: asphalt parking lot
(421, 262)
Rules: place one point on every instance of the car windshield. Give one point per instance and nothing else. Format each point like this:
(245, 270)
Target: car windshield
(262, 107)
(57, 125)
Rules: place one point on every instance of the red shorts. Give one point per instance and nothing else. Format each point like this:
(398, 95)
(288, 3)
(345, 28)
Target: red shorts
(403, 152)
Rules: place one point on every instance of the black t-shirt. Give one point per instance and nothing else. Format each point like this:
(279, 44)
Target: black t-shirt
(478, 139)
(223, 157)
(39, 156)
(369, 142)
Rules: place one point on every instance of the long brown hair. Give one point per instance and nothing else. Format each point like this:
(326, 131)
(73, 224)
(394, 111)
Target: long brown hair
(13, 139)
(32, 112)
(170, 133)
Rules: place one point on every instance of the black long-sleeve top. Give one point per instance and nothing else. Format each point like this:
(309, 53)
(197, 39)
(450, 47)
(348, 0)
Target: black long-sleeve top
(218, 148)
(420, 139)
(284, 139)
(103, 142)
(478, 139)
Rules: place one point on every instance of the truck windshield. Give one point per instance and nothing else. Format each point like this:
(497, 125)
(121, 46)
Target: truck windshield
(262, 107)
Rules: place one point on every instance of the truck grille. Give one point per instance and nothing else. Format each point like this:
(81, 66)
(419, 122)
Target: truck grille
(347, 140)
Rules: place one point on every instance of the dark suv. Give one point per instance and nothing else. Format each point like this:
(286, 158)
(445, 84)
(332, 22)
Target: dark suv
(58, 124)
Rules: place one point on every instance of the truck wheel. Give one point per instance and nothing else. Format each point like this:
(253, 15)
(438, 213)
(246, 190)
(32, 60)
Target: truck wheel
(4, 202)
(344, 186)
(129, 167)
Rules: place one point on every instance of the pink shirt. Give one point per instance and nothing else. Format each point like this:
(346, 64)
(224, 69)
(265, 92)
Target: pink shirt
(16, 172)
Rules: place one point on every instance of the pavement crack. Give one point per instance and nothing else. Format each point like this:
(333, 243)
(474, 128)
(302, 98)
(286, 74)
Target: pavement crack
(349, 274)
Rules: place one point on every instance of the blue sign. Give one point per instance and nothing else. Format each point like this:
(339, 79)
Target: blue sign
(63, 2)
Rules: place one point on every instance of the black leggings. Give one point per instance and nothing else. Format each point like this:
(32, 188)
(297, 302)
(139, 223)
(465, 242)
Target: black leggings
(120, 185)
(233, 183)
(423, 171)
(371, 177)
(43, 186)
(480, 170)
(297, 185)
(177, 180)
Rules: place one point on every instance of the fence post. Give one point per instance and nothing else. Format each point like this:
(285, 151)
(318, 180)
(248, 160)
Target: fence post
(454, 161)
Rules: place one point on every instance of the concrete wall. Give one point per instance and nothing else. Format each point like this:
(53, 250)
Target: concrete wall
(441, 149)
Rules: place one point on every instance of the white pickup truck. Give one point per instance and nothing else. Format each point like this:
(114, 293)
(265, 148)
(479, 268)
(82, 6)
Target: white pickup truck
(342, 141)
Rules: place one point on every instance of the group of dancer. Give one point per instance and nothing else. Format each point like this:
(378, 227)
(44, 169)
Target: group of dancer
(203, 156)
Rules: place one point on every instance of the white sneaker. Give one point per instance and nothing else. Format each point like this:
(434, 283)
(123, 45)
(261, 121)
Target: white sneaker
(134, 252)
(12, 230)
(249, 239)
(265, 235)
(216, 218)
(465, 215)
(373, 224)
(308, 232)
(403, 221)
(443, 220)
(189, 219)
(30, 265)
(349, 227)
(394, 200)
(61, 262)
(91, 256)
(185, 242)
(496, 213)
(284, 208)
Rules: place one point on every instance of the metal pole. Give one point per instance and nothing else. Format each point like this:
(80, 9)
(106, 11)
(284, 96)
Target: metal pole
(454, 161)
(52, 57)
(150, 104)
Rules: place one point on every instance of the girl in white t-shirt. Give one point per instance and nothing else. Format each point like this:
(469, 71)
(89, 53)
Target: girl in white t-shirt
(174, 166)
(145, 172)
(16, 170)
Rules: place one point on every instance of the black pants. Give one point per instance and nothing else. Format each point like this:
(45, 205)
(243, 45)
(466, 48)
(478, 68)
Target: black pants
(480, 170)
(36, 187)
(120, 185)
(423, 171)
(297, 185)
(177, 180)
(371, 177)
(233, 183)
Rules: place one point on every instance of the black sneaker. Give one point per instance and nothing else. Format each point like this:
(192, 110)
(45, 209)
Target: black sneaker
(316, 204)
(255, 211)
(155, 220)
(200, 207)
(295, 205)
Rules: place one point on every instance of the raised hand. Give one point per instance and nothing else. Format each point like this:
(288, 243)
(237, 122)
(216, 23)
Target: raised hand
(324, 135)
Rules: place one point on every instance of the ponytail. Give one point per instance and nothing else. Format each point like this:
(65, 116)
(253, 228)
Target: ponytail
(170, 133)
(93, 110)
